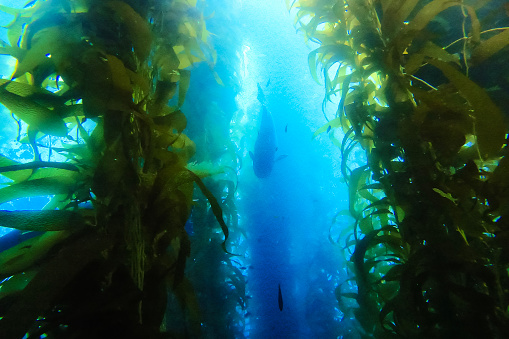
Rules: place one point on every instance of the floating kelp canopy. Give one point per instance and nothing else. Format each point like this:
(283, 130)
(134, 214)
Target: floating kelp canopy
(109, 79)
(428, 248)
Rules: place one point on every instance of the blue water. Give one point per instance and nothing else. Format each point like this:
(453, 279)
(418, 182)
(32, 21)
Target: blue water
(289, 213)
(287, 216)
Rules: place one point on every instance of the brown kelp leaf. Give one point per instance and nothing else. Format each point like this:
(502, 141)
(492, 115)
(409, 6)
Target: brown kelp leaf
(33, 220)
(489, 122)
(491, 46)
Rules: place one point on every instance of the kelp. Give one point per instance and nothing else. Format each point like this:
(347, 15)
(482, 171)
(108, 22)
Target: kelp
(427, 248)
(114, 244)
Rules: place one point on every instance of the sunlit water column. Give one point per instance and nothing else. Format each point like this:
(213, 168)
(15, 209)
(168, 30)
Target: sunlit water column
(287, 214)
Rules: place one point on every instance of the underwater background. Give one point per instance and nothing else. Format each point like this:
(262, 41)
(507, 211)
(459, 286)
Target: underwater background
(254, 169)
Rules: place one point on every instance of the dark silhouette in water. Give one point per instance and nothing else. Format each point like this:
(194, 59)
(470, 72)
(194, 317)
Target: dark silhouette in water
(280, 298)
(266, 143)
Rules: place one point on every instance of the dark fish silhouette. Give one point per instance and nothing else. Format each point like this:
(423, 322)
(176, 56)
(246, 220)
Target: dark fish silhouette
(265, 145)
(286, 128)
(280, 298)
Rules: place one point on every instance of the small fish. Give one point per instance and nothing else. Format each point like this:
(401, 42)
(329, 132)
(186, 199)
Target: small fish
(286, 128)
(280, 298)
(328, 129)
(268, 83)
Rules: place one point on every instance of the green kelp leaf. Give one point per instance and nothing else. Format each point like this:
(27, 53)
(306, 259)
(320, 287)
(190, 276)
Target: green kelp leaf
(366, 225)
(334, 123)
(16, 283)
(51, 281)
(491, 46)
(51, 46)
(489, 121)
(357, 180)
(323, 53)
(185, 80)
(38, 187)
(36, 94)
(37, 116)
(30, 220)
(24, 255)
(15, 176)
(38, 164)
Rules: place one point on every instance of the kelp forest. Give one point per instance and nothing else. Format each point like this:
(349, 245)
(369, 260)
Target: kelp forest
(114, 100)
(423, 88)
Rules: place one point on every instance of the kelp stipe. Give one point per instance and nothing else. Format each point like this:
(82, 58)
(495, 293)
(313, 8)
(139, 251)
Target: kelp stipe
(104, 271)
(428, 244)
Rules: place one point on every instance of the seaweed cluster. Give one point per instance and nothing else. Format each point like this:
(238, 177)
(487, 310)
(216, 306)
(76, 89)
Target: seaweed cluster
(421, 87)
(109, 79)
